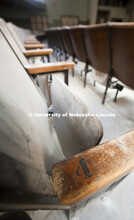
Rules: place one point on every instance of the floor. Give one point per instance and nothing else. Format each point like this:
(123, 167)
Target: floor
(117, 204)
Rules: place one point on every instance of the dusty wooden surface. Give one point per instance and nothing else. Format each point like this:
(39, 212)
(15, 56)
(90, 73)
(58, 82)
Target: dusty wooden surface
(34, 46)
(50, 67)
(37, 52)
(88, 172)
(24, 149)
(32, 41)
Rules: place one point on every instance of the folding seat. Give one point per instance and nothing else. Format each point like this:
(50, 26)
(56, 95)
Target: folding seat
(39, 68)
(52, 38)
(59, 43)
(76, 132)
(79, 47)
(97, 46)
(122, 45)
(68, 45)
(67, 42)
(99, 51)
(27, 151)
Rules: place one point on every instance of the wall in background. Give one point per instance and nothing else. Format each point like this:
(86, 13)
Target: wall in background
(86, 10)
(54, 9)
(57, 8)
(116, 12)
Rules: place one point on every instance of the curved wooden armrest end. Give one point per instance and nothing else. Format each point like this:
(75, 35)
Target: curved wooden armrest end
(50, 67)
(93, 170)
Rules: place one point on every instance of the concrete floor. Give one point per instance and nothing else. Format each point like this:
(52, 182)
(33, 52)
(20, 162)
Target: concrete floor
(117, 204)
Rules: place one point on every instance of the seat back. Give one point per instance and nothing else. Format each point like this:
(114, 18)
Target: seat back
(22, 33)
(12, 42)
(77, 43)
(54, 37)
(27, 151)
(76, 132)
(49, 36)
(11, 28)
(60, 38)
(67, 41)
(123, 52)
(97, 47)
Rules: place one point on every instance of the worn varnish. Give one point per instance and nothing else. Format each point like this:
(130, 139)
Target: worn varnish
(88, 172)
(34, 46)
(50, 67)
(37, 52)
(32, 41)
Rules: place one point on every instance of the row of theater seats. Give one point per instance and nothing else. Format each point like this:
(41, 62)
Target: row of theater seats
(25, 51)
(34, 171)
(108, 48)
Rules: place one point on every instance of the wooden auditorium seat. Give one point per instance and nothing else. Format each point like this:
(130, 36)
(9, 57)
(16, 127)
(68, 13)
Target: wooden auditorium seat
(68, 45)
(24, 137)
(54, 36)
(60, 41)
(75, 132)
(28, 152)
(31, 52)
(103, 47)
(110, 50)
(79, 47)
(67, 42)
(35, 69)
(97, 47)
(122, 45)
(26, 146)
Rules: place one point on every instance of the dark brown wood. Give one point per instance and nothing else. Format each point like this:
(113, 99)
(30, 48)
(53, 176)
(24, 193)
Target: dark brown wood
(122, 43)
(97, 46)
(67, 41)
(77, 43)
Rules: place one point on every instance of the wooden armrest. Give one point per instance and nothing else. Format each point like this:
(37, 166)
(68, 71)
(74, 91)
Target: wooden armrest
(93, 170)
(32, 42)
(38, 52)
(50, 67)
(34, 46)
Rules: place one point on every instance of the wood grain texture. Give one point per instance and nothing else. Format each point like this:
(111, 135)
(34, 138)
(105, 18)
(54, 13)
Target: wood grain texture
(34, 46)
(50, 67)
(89, 172)
(38, 52)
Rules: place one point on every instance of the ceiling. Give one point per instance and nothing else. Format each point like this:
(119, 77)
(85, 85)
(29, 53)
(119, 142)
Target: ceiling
(24, 4)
